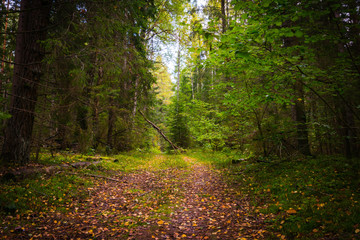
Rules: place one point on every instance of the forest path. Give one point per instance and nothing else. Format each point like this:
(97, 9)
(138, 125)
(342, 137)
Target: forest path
(190, 202)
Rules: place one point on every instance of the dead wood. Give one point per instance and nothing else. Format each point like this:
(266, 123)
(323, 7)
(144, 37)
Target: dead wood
(176, 149)
(97, 176)
(23, 172)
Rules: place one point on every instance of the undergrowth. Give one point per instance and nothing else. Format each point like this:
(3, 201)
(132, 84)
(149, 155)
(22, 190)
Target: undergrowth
(308, 198)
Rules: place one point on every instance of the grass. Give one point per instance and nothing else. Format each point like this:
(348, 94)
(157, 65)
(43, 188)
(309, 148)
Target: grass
(309, 198)
(46, 158)
(135, 161)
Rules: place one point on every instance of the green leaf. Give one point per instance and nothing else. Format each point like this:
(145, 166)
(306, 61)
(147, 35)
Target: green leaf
(298, 33)
(241, 54)
(4, 115)
(289, 34)
(294, 18)
(266, 3)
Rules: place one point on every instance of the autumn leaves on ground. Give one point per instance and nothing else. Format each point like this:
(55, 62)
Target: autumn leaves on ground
(174, 197)
(194, 196)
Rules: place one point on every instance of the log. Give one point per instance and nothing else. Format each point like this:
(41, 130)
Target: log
(23, 172)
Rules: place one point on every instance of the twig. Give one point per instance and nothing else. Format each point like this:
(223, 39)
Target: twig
(44, 194)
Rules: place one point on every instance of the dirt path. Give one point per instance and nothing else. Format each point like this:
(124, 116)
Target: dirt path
(177, 203)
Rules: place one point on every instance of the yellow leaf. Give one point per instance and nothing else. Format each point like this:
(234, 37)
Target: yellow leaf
(315, 230)
(183, 235)
(357, 230)
(291, 211)
(90, 231)
(160, 222)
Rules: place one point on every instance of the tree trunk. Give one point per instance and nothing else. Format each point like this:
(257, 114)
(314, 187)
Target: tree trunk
(301, 121)
(223, 16)
(178, 62)
(96, 106)
(111, 122)
(135, 99)
(349, 133)
(4, 44)
(33, 19)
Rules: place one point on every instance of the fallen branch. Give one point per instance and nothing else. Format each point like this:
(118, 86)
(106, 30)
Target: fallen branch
(26, 171)
(84, 164)
(176, 149)
(97, 176)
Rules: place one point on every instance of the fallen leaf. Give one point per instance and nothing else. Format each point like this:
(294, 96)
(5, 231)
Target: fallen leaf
(291, 211)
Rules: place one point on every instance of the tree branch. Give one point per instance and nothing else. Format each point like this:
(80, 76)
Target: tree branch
(176, 149)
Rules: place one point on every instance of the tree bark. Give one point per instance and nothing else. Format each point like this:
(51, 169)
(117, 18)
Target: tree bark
(223, 16)
(4, 44)
(111, 122)
(301, 121)
(33, 20)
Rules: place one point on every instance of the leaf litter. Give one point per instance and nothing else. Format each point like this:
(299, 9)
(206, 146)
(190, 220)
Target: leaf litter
(172, 203)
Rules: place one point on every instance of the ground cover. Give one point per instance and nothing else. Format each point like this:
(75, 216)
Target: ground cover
(194, 196)
(145, 196)
(308, 198)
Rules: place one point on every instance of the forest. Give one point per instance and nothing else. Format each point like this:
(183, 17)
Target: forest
(168, 105)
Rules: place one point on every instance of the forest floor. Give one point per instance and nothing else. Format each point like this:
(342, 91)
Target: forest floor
(187, 202)
(200, 195)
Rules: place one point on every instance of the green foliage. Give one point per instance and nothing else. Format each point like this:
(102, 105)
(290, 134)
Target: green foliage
(205, 125)
(99, 74)
(273, 78)
(4, 116)
(178, 126)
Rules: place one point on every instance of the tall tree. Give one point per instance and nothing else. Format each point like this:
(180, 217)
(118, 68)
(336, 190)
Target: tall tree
(33, 21)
